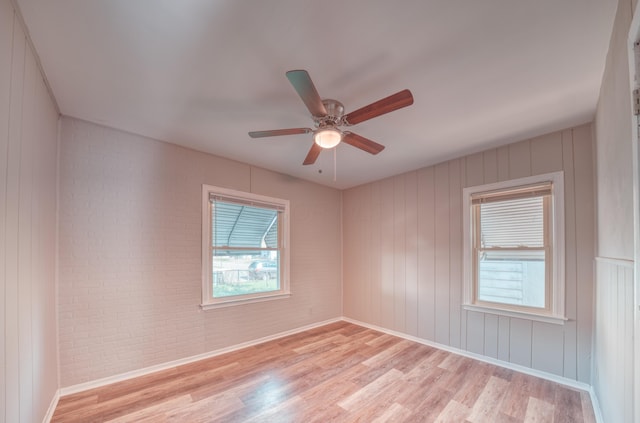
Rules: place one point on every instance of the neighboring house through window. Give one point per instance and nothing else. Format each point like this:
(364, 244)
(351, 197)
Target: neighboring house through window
(514, 247)
(245, 247)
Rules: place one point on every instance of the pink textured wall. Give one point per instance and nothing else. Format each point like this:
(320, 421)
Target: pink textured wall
(130, 230)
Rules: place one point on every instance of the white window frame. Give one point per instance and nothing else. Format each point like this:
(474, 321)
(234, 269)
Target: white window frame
(208, 301)
(556, 311)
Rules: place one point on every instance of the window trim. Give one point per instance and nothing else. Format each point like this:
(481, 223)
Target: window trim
(556, 311)
(207, 300)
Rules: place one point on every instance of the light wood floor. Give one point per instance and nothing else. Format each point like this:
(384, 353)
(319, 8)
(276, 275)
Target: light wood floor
(337, 373)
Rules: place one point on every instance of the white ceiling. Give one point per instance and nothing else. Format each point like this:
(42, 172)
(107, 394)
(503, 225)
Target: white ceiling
(202, 73)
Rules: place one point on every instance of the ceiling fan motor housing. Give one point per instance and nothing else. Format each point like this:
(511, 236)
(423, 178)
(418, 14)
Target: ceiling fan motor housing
(335, 111)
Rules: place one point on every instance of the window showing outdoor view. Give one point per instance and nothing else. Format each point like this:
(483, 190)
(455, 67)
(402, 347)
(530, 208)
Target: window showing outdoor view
(245, 251)
(511, 254)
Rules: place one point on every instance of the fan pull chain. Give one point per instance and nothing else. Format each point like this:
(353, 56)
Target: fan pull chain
(334, 164)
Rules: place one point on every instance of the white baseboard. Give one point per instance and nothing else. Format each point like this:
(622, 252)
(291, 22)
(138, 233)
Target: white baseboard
(596, 405)
(522, 369)
(52, 407)
(168, 365)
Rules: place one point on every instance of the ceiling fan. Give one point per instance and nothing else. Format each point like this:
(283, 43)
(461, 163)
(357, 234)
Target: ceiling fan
(328, 116)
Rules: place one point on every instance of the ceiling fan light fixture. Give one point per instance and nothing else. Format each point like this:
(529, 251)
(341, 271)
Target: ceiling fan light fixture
(328, 115)
(327, 137)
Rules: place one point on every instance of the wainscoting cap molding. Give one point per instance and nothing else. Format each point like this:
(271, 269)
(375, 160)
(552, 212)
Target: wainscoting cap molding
(616, 261)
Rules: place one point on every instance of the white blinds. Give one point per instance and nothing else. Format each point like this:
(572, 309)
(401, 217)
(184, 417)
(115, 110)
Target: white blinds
(512, 223)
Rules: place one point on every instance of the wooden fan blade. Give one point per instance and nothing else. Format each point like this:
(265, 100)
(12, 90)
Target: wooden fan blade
(277, 132)
(302, 83)
(362, 143)
(312, 155)
(388, 104)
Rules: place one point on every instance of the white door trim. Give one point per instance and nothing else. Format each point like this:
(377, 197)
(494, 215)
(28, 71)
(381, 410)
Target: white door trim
(634, 83)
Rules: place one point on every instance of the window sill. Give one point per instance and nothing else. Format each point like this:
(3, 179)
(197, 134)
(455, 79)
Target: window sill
(557, 320)
(241, 301)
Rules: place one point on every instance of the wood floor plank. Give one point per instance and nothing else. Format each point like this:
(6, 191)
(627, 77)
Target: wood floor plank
(419, 388)
(425, 367)
(284, 411)
(339, 372)
(568, 405)
(239, 383)
(413, 355)
(334, 413)
(452, 362)
(477, 377)
(457, 376)
(382, 339)
(435, 400)
(395, 413)
(222, 412)
(135, 385)
(321, 344)
(155, 412)
(505, 418)
(539, 411)
(75, 402)
(516, 400)
(379, 402)
(364, 395)
(387, 354)
(328, 393)
(453, 412)
(487, 406)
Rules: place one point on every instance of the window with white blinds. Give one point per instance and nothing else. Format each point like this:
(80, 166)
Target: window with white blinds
(514, 247)
(245, 255)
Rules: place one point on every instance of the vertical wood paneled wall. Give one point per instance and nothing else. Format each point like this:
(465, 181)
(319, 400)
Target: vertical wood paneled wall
(28, 166)
(403, 255)
(613, 343)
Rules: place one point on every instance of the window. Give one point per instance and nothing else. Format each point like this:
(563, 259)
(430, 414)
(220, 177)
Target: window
(245, 247)
(514, 247)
